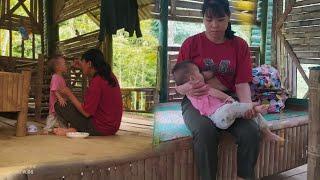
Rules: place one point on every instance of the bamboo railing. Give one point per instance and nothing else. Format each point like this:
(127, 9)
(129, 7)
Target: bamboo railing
(139, 99)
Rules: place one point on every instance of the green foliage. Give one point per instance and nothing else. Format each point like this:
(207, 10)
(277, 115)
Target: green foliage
(20, 11)
(135, 59)
(184, 30)
(83, 24)
(155, 28)
(4, 42)
(17, 44)
(16, 36)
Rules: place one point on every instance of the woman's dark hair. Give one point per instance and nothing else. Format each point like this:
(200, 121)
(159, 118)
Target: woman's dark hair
(103, 69)
(182, 71)
(218, 8)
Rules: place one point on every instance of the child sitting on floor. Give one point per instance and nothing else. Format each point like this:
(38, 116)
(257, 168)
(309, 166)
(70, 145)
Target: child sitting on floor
(221, 108)
(58, 66)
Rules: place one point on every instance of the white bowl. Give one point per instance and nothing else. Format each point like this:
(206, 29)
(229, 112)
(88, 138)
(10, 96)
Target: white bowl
(77, 134)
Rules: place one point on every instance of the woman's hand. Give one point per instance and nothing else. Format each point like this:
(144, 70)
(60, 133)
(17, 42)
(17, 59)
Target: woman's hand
(207, 75)
(65, 91)
(198, 88)
(62, 102)
(250, 114)
(230, 100)
(244, 95)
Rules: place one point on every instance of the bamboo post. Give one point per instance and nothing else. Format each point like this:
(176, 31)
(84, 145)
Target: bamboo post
(164, 51)
(50, 28)
(22, 115)
(108, 49)
(38, 98)
(274, 34)
(264, 19)
(138, 100)
(314, 125)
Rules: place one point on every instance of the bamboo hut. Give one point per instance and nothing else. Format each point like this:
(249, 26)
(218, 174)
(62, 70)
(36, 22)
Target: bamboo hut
(295, 35)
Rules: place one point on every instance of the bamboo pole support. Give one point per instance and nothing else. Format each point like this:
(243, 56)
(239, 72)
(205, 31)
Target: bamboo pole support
(22, 115)
(314, 125)
(38, 99)
(163, 54)
(264, 19)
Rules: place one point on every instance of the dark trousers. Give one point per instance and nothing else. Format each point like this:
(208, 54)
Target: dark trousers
(206, 140)
(70, 115)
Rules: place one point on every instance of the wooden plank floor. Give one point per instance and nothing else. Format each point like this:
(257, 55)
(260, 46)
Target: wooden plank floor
(299, 173)
(17, 153)
(29, 152)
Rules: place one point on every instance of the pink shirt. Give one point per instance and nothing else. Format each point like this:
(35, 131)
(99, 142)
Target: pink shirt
(206, 104)
(57, 82)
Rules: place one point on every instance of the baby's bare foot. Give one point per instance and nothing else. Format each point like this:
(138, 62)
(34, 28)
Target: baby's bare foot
(44, 132)
(270, 136)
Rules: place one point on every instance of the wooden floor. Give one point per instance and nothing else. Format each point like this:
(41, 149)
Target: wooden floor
(17, 153)
(299, 173)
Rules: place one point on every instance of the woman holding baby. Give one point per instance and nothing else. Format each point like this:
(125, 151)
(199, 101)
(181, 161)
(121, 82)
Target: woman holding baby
(225, 62)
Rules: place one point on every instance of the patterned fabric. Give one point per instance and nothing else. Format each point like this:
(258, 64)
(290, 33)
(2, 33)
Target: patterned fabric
(266, 88)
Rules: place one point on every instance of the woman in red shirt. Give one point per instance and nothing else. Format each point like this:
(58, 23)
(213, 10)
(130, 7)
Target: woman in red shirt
(101, 111)
(225, 62)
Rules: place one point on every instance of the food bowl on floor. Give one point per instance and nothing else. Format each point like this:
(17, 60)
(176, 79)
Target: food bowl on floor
(77, 134)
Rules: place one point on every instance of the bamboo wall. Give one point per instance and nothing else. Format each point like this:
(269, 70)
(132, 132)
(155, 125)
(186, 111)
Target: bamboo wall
(295, 39)
(11, 21)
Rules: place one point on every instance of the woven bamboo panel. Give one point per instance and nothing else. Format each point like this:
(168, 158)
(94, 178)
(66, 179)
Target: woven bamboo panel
(75, 47)
(301, 29)
(14, 93)
(11, 85)
(39, 83)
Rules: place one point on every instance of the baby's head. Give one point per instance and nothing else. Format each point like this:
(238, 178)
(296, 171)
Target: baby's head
(186, 71)
(57, 64)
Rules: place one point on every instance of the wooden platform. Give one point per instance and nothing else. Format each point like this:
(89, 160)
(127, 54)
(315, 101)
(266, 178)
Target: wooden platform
(22, 157)
(129, 156)
(18, 155)
(299, 173)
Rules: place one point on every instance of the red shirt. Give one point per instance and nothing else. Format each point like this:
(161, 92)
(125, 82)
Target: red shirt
(230, 61)
(104, 103)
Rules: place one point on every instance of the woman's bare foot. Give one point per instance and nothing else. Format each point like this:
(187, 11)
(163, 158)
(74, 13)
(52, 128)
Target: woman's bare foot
(63, 131)
(270, 136)
(44, 132)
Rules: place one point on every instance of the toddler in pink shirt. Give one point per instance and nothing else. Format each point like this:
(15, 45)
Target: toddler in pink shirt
(221, 108)
(58, 66)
